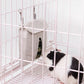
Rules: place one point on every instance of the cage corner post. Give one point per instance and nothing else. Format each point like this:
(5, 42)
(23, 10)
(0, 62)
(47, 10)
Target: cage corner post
(0, 35)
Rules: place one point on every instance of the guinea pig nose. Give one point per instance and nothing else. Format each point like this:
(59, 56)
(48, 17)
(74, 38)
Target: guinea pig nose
(51, 68)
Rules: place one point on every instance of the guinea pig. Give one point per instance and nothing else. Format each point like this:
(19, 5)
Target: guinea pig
(61, 66)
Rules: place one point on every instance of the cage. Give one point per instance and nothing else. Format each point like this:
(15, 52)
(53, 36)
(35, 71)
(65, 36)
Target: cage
(59, 24)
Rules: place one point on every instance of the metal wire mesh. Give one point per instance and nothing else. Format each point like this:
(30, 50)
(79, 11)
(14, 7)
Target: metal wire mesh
(59, 24)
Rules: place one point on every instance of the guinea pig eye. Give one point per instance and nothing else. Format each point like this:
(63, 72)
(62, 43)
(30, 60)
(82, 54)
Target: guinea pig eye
(51, 55)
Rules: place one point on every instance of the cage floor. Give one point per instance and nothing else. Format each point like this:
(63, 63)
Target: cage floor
(34, 75)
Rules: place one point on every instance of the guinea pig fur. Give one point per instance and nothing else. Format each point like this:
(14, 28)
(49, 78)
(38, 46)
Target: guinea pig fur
(58, 59)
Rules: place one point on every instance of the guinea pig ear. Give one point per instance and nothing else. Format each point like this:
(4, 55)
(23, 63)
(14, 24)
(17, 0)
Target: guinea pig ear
(58, 50)
(49, 56)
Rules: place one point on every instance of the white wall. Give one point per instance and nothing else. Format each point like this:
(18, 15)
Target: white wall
(70, 17)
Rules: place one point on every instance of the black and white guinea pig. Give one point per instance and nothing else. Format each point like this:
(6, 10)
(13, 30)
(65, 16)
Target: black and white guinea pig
(59, 71)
